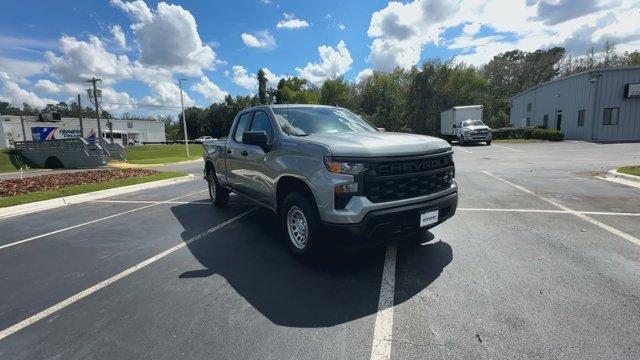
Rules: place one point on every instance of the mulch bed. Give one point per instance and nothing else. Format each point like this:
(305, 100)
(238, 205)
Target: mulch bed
(57, 181)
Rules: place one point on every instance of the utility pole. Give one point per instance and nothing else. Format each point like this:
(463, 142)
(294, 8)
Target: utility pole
(24, 133)
(184, 119)
(80, 117)
(95, 102)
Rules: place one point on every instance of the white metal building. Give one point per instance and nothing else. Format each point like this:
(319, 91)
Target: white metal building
(600, 105)
(126, 132)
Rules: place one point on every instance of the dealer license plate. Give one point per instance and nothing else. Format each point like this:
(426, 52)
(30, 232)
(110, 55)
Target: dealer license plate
(428, 218)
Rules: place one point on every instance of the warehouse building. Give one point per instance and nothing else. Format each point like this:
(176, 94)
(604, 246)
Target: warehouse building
(599, 105)
(39, 128)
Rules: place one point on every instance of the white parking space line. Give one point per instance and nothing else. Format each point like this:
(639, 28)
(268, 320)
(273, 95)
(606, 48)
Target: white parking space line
(461, 149)
(582, 216)
(84, 293)
(508, 148)
(383, 331)
(94, 221)
(152, 202)
(608, 213)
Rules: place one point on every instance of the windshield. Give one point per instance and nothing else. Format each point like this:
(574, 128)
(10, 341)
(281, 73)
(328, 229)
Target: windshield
(312, 120)
(472, 123)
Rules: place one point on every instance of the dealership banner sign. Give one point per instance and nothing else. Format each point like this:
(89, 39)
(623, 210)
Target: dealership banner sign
(41, 133)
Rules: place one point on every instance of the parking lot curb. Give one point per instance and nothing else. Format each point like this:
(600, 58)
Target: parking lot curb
(620, 178)
(18, 210)
(616, 174)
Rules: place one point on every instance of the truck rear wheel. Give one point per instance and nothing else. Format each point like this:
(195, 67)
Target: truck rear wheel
(300, 224)
(219, 196)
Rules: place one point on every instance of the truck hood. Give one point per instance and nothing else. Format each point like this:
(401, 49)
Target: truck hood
(374, 144)
(478, 127)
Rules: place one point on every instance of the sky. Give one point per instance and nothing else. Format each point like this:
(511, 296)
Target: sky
(141, 48)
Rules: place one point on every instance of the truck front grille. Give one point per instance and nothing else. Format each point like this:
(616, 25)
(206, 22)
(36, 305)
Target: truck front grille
(405, 179)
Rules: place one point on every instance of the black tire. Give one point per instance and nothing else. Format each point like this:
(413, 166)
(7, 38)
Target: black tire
(298, 202)
(219, 196)
(462, 142)
(488, 143)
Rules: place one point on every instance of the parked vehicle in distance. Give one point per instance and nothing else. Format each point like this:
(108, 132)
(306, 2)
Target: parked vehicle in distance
(327, 173)
(464, 124)
(202, 139)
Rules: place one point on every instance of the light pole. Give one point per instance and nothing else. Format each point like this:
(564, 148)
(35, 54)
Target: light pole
(184, 119)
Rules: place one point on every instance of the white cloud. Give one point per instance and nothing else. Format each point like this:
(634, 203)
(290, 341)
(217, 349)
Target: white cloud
(49, 87)
(12, 92)
(471, 28)
(243, 78)
(364, 74)
(209, 90)
(80, 60)
(273, 79)
(291, 22)
(341, 26)
(137, 9)
(249, 81)
(400, 31)
(20, 69)
(333, 62)
(118, 36)
(115, 101)
(267, 2)
(261, 39)
(165, 93)
(168, 37)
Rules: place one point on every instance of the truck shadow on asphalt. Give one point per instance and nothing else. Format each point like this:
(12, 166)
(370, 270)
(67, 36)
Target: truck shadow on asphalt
(337, 288)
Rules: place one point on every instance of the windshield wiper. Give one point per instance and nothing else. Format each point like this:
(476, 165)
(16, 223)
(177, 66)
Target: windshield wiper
(303, 134)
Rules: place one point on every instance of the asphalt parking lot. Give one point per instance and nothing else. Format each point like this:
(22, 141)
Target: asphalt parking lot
(542, 260)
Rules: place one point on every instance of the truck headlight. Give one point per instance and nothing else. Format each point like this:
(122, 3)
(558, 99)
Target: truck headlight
(342, 167)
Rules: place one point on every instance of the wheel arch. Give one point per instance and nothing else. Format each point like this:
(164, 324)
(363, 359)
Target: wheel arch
(287, 184)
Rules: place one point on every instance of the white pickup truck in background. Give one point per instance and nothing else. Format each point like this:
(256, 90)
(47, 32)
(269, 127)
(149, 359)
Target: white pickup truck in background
(464, 124)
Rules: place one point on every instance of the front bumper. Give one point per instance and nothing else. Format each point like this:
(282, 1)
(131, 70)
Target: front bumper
(477, 137)
(390, 224)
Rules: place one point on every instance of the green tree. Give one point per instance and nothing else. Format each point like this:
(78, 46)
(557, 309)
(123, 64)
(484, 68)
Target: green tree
(262, 86)
(335, 92)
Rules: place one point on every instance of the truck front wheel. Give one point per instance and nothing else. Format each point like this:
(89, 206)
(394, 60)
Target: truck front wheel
(300, 224)
(219, 196)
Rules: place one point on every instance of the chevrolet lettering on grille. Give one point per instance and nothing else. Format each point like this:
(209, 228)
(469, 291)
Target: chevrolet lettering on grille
(410, 167)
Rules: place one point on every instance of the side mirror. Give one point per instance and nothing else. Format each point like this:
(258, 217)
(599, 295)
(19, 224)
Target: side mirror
(257, 138)
(382, 129)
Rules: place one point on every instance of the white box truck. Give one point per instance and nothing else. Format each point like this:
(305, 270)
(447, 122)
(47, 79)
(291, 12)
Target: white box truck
(464, 124)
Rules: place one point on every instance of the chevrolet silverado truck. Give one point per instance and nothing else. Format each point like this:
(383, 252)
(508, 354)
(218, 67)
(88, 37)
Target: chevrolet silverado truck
(326, 173)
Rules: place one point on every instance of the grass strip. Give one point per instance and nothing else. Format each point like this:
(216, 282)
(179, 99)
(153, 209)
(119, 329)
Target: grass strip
(630, 170)
(159, 154)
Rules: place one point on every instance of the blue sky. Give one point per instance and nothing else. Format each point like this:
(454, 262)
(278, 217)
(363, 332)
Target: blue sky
(46, 49)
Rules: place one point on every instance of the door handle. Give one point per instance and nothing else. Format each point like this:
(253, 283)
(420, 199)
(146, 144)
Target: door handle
(244, 153)
(228, 151)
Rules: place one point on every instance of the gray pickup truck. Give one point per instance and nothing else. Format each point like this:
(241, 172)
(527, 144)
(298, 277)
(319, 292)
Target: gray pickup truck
(326, 173)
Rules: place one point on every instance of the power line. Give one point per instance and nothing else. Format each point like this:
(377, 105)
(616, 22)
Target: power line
(140, 105)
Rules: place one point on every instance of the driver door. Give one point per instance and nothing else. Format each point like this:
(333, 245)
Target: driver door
(259, 175)
(236, 158)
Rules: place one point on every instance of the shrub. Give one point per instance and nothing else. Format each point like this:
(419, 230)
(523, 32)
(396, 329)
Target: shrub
(528, 133)
(547, 134)
(507, 133)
